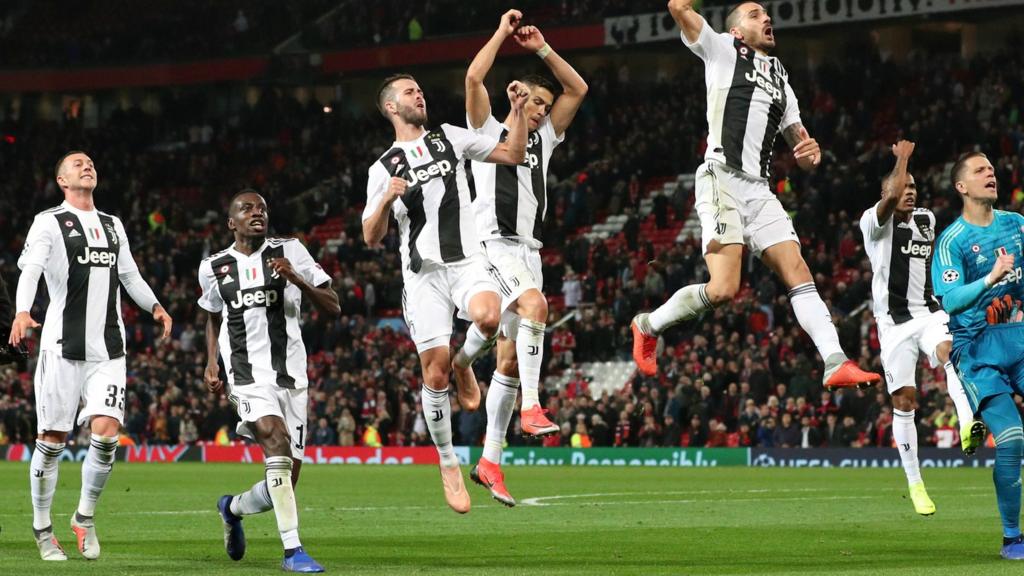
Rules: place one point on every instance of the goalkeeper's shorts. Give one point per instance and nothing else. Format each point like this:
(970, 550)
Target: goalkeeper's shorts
(993, 363)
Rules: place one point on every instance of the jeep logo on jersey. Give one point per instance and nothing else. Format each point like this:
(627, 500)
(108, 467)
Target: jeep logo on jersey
(1012, 277)
(255, 298)
(99, 257)
(531, 160)
(917, 249)
(425, 173)
(766, 84)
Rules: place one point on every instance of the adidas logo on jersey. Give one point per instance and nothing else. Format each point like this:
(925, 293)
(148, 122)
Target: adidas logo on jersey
(73, 234)
(97, 257)
(423, 174)
(919, 249)
(255, 298)
(981, 259)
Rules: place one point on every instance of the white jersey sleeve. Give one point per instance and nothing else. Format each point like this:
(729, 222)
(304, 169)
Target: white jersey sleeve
(791, 115)
(40, 241)
(33, 260)
(710, 45)
(376, 185)
(128, 272)
(869, 224)
(469, 144)
(210, 299)
(304, 264)
(490, 128)
(547, 131)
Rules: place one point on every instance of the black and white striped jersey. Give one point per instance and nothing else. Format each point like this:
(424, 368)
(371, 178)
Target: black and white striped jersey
(511, 201)
(260, 338)
(749, 102)
(901, 262)
(435, 215)
(85, 259)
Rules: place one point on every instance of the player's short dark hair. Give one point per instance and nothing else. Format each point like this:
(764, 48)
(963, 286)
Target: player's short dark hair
(56, 169)
(732, 16)
(384, 93)
(240, 193)
(957, 173)
(538, 81)
(888, 178)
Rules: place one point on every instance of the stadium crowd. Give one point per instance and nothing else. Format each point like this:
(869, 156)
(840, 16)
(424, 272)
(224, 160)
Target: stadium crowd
(36, 34)
(745, 375)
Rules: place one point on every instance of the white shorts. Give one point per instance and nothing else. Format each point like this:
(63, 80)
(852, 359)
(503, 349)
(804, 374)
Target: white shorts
(517, 268)
(62, 385)
(736, 209)
(903, 343)
(431, 297)
(254, 401)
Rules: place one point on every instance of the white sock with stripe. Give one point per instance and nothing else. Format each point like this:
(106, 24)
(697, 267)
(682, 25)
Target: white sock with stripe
(904, 432)
(437, 411)
(815, 319)
(530, 355)
(99, 462)
(955, 389)
(279, 485)
(42, 474)
(255, 500)
(475, 346)
(501, 402)
(687, 303)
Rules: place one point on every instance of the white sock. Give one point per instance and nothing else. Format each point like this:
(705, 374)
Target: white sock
(99, 461)
(904, 432)
(475, 346)
(437, 411)
(815, 319)
(279, 485)
(687, 303)
(530, 354)
(501, 401)
(42, 475)
(253, 501)
(955, 389)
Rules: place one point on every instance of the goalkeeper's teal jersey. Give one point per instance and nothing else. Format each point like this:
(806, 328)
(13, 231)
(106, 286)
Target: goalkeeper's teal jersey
(965, 253)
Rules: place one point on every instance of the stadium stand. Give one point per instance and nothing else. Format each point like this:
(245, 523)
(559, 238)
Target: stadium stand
(621, 233)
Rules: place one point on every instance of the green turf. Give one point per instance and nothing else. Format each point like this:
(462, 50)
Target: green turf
(160, 519)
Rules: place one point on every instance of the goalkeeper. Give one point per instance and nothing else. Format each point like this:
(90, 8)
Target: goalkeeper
(977, 276)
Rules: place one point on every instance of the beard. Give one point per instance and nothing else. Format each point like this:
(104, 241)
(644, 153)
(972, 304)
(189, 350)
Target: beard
(412, 115)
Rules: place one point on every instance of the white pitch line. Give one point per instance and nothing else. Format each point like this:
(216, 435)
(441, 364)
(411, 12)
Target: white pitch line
(542, 501)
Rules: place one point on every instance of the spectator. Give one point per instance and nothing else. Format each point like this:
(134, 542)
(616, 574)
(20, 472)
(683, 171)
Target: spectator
(323, 435)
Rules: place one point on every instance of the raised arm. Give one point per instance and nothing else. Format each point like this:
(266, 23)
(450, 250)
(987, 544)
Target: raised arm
(686, 18)
(574, 88)
(896, 182)
(478, 104)
(513, 150)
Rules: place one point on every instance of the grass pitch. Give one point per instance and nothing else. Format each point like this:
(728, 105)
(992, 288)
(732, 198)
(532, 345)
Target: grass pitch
(161, 519)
